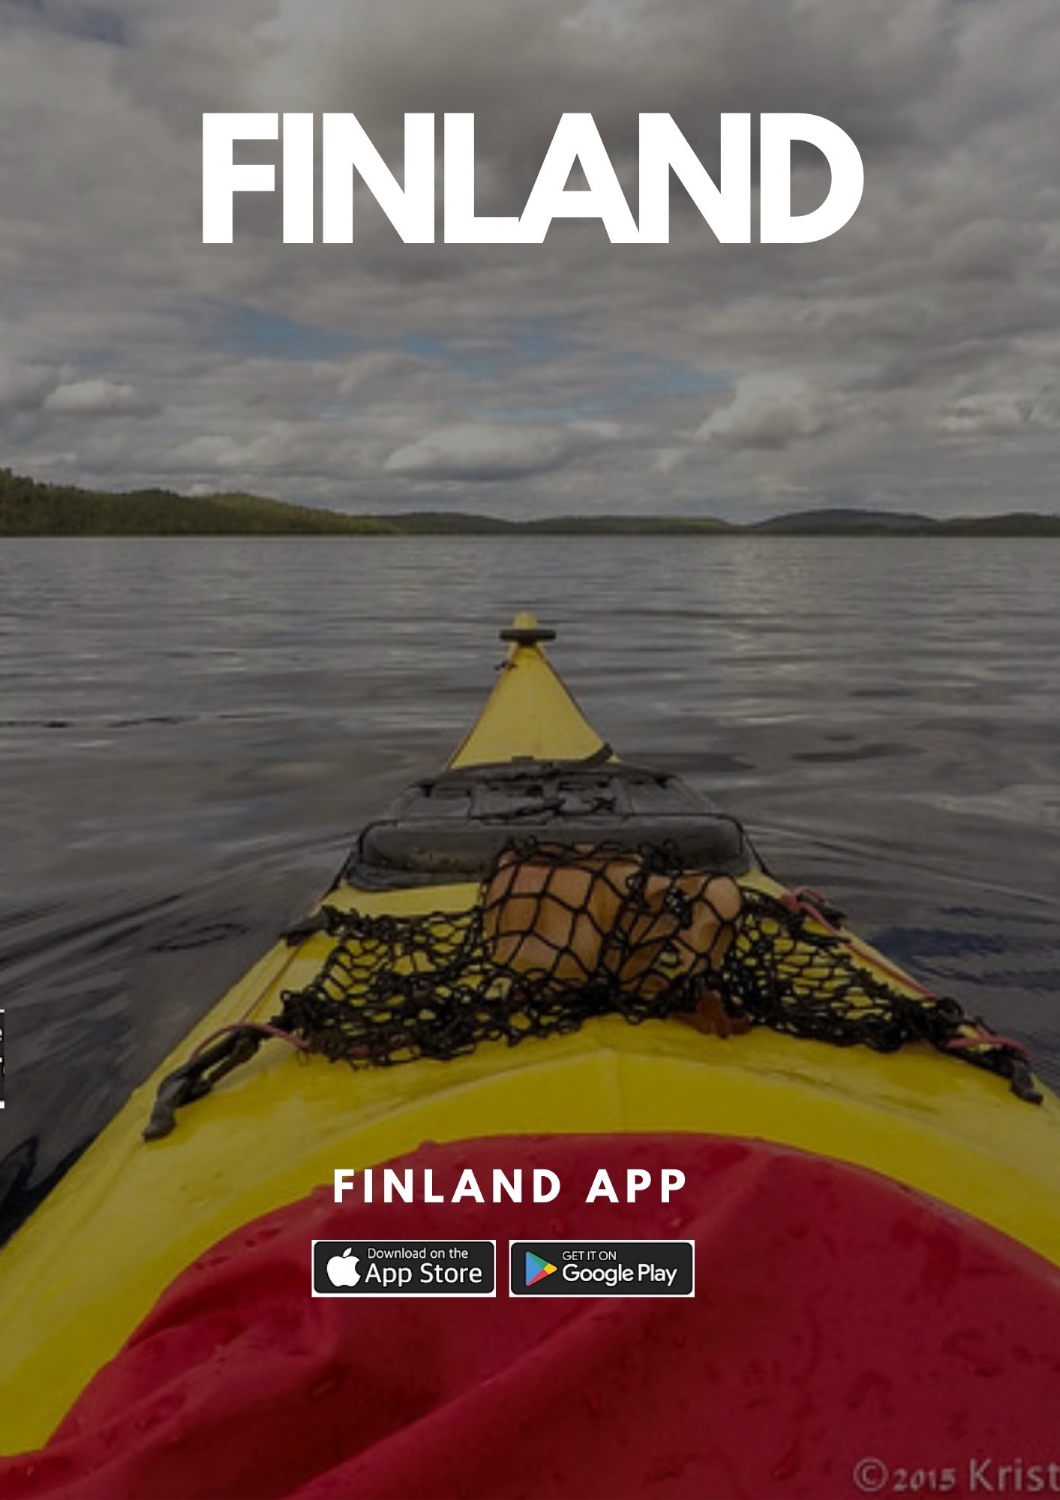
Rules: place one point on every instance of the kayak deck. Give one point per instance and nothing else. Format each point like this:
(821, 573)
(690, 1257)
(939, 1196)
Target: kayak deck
(93, 1259)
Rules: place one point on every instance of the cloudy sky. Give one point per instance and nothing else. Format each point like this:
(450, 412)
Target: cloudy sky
(910, 361)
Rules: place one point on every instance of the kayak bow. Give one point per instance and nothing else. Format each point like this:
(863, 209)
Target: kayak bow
(131, 1216)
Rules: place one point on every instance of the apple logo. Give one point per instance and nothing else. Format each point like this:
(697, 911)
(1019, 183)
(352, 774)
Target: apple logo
(342, 1269)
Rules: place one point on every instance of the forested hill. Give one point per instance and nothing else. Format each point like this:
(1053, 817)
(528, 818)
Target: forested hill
(29, 508)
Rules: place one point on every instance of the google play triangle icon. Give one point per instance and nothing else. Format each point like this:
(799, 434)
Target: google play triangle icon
(537, 1268)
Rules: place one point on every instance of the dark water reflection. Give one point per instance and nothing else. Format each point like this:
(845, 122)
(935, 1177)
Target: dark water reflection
(190, 732)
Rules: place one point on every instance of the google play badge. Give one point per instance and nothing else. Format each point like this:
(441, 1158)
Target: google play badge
(537, 1268)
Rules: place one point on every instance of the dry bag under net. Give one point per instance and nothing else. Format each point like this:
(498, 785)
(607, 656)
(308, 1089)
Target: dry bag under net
(562, 933)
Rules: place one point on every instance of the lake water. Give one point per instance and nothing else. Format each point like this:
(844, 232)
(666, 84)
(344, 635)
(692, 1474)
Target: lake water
(192, 730)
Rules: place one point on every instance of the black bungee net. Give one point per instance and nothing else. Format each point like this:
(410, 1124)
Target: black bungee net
(563, 933)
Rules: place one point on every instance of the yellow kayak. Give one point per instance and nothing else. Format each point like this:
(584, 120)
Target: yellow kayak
(132, 1214)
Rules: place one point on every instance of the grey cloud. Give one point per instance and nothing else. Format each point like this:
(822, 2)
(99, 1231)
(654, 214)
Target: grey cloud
(991, 249)
(766, 411)
(475, 452)
(94, 398)
(23, 386)
(1000, 412)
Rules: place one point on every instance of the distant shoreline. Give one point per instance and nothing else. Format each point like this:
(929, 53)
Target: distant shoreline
(29, 508)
